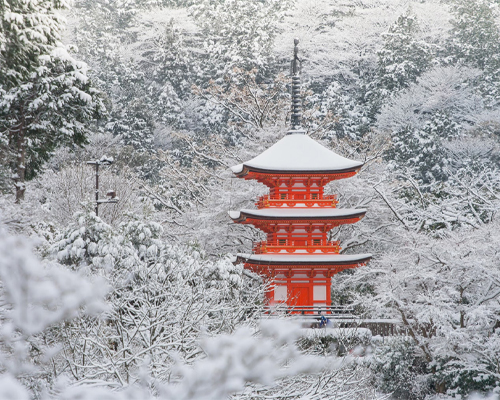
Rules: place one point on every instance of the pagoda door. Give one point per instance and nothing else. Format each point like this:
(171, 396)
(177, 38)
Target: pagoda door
(299, 296)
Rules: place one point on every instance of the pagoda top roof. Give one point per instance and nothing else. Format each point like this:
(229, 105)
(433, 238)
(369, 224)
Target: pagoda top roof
(297, 213)
(297, 152)
(298, 259)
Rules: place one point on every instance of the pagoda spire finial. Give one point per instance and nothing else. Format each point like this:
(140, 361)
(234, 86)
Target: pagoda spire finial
(296, 100)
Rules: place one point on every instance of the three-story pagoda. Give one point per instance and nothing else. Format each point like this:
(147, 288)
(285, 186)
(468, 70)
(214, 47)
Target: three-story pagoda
(296, 215)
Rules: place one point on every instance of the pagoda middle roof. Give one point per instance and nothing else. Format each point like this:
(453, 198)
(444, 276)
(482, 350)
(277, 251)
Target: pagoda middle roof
(277, 259)
(298, 213)
(297, 152)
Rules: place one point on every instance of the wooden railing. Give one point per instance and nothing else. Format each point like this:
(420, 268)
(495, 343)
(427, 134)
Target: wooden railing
(325, 201)
(337, 316)
(275, 247)
(311, 312)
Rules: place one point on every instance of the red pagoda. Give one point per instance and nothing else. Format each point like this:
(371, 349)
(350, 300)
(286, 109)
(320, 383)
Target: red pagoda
(297, 256)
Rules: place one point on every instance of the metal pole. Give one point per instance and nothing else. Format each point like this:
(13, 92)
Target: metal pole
(104, 161)
(97, 189)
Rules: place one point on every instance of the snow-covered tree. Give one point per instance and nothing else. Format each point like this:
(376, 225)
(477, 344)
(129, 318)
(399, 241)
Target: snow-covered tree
(445, 292)
(474, 39)
(238, 33)
(35, 297)
(246, 102)
(404, 56)
(40, 302)
(415, 97)
(29, 29)
(442, 105)
(399, 369)
(46, 95)
(165, 296)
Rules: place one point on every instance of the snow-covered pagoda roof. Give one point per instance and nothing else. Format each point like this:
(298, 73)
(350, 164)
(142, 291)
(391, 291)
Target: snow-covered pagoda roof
(297, 213)
(297, 152)
(297, 259)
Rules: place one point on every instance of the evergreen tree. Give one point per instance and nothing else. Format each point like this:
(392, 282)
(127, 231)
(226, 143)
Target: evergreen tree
(419, 150)
(28, 30)
(475, 37)
(46, 95)
(238, 33)
(399, 370)
(403, 58)
(475, 40)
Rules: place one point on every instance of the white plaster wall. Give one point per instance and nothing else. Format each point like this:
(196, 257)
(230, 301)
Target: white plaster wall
(280, 293)
(319, 293)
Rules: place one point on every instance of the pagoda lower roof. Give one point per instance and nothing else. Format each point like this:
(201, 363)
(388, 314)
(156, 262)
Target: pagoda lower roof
(284, 213)
(297, 153)
(303, 259)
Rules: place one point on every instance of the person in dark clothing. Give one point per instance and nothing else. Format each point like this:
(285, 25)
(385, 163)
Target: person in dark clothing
(322, 320)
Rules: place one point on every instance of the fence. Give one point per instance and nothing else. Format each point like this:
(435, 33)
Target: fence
(338, 317)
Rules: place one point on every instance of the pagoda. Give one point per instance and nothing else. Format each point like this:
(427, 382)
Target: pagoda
(297, 257)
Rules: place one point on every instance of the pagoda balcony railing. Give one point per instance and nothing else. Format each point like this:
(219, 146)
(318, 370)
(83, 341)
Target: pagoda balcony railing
(326, 201)
(275, 247)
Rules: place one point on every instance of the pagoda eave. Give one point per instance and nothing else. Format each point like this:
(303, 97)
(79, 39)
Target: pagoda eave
(247, 218)
(328, 223)
(290, 271)
(288, 261)
(259, 174)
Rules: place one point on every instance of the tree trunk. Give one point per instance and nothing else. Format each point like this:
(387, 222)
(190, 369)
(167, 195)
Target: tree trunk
(440, 387)
(20, 164)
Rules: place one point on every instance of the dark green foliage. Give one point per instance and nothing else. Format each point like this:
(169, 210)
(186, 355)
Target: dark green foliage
(399, 370)
(23, 40)
(417, 150)
(461, 380)
(475, 37)
(420, 152)
(475, 40)
(403, 58)
(47, 111)
(46, 95)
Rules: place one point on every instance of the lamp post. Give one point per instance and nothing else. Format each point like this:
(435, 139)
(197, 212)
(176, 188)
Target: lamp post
(104, 160)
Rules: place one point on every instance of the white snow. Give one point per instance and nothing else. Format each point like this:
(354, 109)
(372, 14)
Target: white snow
(234, 214)
(298, 152)
(342, 333)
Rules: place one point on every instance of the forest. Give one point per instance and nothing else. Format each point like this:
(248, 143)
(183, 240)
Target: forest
(143, 301)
